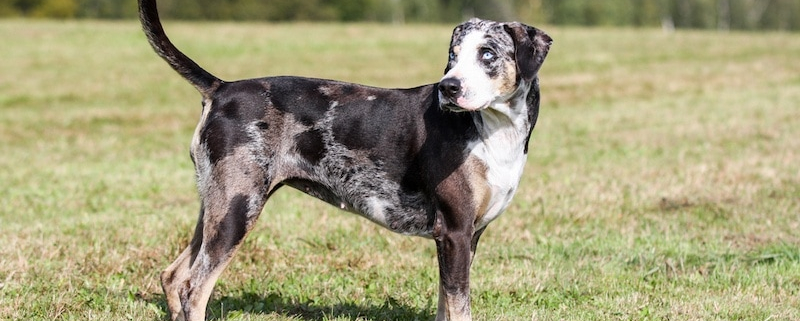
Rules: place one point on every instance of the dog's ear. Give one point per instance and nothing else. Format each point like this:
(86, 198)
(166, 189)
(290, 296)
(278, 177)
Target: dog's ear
(530, 48)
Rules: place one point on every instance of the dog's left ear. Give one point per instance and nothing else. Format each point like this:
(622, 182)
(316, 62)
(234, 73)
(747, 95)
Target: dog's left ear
(530, 48)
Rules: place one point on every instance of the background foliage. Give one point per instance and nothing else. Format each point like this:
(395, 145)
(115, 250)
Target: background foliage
(720, 14)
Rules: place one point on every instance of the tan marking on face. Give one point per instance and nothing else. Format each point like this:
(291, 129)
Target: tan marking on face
(507, 80)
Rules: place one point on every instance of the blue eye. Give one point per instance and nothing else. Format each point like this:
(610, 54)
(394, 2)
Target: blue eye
(452, 56)
(487, 54)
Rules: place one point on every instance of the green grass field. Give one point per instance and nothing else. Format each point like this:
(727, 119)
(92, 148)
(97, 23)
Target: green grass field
(663, 180)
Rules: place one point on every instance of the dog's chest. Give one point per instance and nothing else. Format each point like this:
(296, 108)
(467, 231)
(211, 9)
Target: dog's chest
(501, 151)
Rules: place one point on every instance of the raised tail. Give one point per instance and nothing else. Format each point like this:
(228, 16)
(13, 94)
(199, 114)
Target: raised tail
(201, 79)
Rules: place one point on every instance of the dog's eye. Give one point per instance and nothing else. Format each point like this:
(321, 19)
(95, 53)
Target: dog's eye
(487, 55)
(452, 56)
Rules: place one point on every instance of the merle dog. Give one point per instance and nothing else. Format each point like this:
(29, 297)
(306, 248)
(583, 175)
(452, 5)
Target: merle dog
(439, 161)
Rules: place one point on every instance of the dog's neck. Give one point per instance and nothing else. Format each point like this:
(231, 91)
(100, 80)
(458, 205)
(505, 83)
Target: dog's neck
(506, 121)
(503, 128)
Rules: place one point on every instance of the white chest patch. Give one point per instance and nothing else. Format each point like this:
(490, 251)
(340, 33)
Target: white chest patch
(501, 149)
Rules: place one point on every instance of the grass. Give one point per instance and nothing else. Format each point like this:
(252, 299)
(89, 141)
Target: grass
(663, 181)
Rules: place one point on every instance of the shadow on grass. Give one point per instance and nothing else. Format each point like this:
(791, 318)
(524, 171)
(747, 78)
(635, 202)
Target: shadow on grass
(252, 303)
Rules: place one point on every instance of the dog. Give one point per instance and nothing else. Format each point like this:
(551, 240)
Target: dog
(439, 161)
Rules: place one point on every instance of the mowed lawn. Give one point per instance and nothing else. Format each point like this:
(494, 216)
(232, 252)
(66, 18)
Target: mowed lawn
(663, 179)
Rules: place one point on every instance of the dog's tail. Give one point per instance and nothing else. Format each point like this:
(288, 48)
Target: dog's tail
(201, 79)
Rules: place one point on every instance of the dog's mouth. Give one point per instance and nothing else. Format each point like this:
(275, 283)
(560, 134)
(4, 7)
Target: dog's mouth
(451, 104)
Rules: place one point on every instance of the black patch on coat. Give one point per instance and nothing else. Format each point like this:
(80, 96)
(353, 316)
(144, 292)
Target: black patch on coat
(356, 132)
(231, 229)
(262, 125)
(299, 97)
(310, 145)
(234, 105)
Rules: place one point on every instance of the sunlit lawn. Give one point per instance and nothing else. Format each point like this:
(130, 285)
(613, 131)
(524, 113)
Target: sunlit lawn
(663, 180)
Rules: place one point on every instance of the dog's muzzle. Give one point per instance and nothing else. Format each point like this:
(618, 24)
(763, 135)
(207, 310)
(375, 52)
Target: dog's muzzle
(449, 91)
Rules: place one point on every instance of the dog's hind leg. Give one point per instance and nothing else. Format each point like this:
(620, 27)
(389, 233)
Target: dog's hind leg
(232, 198)
(178, 272)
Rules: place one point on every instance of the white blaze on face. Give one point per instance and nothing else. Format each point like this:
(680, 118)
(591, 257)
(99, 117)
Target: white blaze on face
(477, 87)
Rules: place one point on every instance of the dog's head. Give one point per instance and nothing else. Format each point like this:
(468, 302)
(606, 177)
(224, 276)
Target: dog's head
(490, 62)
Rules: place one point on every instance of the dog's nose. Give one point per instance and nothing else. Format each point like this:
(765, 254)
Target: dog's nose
(450, 87)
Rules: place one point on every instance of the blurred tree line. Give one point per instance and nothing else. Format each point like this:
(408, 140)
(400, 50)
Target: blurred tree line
(719, 14)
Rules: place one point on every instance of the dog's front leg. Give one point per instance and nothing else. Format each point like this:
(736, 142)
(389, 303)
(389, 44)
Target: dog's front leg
(454, 251)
